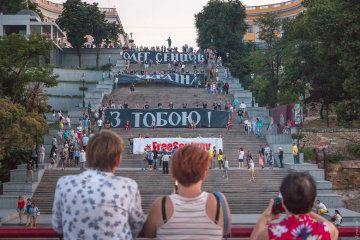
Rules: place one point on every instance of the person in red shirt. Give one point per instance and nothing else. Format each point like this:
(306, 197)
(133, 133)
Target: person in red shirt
(298, 194)
(20, 207)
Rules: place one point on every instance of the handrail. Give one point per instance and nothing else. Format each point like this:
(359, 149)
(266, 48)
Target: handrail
(237, 232)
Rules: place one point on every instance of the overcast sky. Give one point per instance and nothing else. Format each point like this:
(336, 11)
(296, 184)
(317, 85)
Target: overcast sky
(153, 21)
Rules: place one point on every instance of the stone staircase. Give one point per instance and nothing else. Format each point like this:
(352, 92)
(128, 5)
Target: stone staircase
(243, 196)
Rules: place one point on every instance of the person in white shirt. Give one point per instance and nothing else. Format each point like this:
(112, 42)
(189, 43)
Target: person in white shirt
(165, 162)
(241, 157)
(320, 207)
(243, 106)
(82, 159)
(97, 204)
(100, 123)
(226, 168)
(252, 170)
(68, 120)
(116, 80)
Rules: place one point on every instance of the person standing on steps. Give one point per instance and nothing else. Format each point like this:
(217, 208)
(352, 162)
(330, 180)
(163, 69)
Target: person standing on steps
(155, 158)
(248, 158)
(82, 159)
(295, 152)
(259, 127)
(33, 215)
(100, 124)
(226, 168)
(241, 157)
(220, 159)
(252, 171)
(62, 158)
(30, 171)
(240, 114)
(42, 153)
(236, 102)
(27, 211)
(20, 207)
(34, 156)
(214, 158)
(281, 156)
(165, 162)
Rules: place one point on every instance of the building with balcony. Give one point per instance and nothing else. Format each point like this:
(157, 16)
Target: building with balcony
(52, 11)
(288, 9)
(28, 22)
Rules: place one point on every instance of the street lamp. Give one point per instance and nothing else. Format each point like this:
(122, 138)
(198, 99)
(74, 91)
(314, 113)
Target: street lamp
(252, 75)
(109, 64)
(83, 88)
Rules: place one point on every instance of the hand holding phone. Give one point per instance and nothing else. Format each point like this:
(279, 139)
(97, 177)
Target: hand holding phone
(277, 206)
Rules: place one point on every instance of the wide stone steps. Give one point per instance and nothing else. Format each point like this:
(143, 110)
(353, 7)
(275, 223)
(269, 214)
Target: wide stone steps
(243, 196)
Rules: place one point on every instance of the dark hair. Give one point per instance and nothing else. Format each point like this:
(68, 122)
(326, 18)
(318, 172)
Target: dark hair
(298, 190)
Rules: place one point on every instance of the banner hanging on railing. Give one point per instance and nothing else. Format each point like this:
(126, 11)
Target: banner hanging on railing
(170, 143)
(180, 79)
(161, 57)
(167, 118)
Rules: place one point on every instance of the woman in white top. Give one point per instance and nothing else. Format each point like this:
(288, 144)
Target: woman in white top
(241, 157)
(192, 213)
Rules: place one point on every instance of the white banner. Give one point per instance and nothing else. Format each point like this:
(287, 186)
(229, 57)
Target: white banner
(169, 143)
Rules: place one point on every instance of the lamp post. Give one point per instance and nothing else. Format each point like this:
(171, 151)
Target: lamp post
(109, 64)
(252, 75)
(83, 88)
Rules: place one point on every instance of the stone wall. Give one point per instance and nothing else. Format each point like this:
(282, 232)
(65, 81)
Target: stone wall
(345, 177)
(88, 57)
(334, 139)
(345, 174)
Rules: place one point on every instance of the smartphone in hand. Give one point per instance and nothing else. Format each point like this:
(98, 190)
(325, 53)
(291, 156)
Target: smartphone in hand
(277, 207)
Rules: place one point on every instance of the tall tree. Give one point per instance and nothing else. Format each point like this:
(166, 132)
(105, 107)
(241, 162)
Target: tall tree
(263, 66)
(14, 6)
(317, 52)
(101, 30)
(75, 21)
(23, 70)
(221, 24)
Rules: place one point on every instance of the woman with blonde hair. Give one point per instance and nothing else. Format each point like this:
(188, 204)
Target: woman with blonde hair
(192, 213)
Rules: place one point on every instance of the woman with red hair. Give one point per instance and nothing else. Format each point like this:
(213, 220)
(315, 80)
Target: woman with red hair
(192, 213)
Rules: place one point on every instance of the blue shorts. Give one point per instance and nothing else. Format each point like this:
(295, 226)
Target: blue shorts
(63, 160)
(20, 209)
(241, 160)
(150, 162)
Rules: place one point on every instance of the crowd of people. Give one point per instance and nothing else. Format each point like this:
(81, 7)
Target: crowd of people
(29, 209)
(176, 215)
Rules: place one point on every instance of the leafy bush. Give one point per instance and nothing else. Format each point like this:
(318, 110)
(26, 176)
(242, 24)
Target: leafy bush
(336, 157)
(106, 67)
(354, 149)
(298, 136)
(309, 153)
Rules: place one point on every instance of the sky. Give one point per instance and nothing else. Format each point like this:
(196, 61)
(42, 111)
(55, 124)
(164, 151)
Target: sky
(151, 22)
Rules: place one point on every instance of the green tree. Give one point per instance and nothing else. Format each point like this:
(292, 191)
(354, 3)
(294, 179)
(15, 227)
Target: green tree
(314, 55)
(263, 66)
(75, 21)
(19, 131)
(101, 30)
(24, 72)
(14, 6)
(221, 24)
